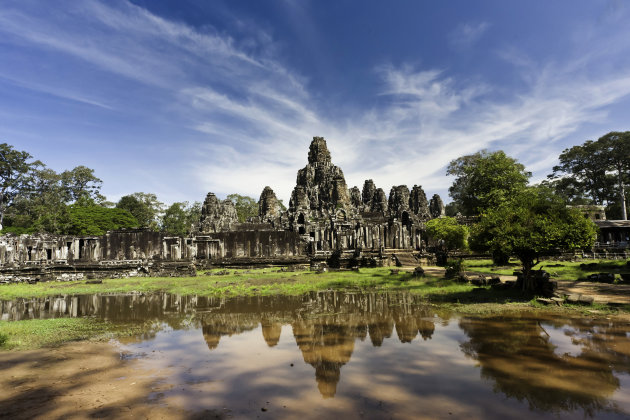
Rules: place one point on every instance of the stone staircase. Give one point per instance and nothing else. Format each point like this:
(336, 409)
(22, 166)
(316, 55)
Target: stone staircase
(405, 259)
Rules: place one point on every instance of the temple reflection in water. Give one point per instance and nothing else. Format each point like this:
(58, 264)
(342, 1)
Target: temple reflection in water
(551, 364)
(325, 324)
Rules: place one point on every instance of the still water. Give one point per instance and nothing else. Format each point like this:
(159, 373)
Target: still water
(373, 355)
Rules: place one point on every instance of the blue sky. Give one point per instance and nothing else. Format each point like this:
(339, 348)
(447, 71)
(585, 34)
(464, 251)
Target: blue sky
(179, 98)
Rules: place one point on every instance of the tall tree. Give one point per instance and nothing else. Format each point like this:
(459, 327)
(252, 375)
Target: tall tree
(40, 208)
(533, 223)
(179, 218)
(595, 172)
(484, 180)
(615, 150)
(145, 207)
(246, 207)
(15, 167)
(80, 184)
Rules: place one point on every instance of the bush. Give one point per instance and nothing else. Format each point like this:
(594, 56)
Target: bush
(454, 268)
(4, 338)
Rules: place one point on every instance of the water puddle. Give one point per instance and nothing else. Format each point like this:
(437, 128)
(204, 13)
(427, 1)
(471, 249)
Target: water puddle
(373, 355)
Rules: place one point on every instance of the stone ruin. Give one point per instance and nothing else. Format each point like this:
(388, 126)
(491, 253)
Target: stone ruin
(325, 219)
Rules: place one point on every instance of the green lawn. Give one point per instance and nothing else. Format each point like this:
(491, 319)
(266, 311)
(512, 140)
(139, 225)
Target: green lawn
(236, 283)
(557, 270)
(37, 333)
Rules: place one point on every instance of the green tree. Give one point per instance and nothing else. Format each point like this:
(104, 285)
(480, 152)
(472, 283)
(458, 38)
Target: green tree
(484, 180)
(246, 207)
(80, 183)
(534, 223)
(43, 205)
(145, 207)
(615, 150)
(40, 208)
(448, 235)
(179, 218)
(15, 168)
(448, 232)
(97, 220)
(595, 172)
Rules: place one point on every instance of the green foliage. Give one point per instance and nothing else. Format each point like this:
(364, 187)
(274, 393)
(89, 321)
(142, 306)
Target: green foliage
(533, 223)
(453, 268)
(146, 208)
(246, 207)
(15, 169)
(97, 220)
(179, 218)
(451, 209)
(41, 207)
(595, 172)
(80, 183)
(484, 180)
(448, 232)
(41, 204)
(3, 339)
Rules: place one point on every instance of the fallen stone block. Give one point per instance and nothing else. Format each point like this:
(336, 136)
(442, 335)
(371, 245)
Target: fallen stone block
(580, 299)
(573, 298)
(462, 278)
(545, 301)
(478, 281)
(418, 272)
(606, 277)
(586, 300)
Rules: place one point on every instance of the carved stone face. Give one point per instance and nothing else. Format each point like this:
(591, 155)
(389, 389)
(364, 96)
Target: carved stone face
(318, 151)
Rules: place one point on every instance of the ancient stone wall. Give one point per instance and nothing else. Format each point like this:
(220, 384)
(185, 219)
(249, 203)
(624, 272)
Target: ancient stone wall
(323, 217)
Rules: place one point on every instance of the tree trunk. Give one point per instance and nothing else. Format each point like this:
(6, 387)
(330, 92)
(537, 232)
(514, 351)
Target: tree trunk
(622, 194)
(528, 282)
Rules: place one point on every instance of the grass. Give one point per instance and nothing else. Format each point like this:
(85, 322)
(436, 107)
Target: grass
(444, 294)
(236, 283)
(565, 270)
(37, 333)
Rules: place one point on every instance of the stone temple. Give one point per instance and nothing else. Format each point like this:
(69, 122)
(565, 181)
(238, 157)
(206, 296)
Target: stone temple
(324, 217)
(325, 222)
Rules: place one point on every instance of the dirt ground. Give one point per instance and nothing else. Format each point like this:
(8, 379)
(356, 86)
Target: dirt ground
(601, 292)
(82, 380)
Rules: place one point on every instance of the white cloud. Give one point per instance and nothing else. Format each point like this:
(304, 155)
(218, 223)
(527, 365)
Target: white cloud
(467, 34)
(256, 117)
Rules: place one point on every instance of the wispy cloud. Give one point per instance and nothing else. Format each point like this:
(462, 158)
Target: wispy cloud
(467, 34)
(50, 90)
(246, 118)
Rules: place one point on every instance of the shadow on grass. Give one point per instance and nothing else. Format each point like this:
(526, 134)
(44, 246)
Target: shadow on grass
(436, 289)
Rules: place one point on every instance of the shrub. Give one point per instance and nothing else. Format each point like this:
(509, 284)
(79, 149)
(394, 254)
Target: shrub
(454, 268)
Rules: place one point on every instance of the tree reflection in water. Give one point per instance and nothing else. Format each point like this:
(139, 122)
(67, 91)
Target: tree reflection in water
(555, 365)
(518, 355)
